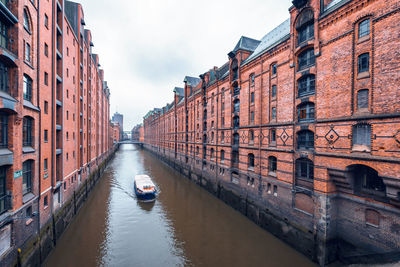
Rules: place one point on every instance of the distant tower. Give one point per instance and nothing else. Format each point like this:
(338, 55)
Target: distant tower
(118, 117)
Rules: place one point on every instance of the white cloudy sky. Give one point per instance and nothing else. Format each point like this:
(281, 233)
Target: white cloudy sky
(147, 47)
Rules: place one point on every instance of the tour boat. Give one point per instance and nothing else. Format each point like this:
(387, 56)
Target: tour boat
(145, 188)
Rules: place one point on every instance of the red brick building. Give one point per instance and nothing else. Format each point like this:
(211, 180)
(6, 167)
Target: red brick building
(300, 130)
(54, 114)
(115, 128)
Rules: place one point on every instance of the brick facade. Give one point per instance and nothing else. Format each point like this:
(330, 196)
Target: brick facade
(304, 125)
(54, 114)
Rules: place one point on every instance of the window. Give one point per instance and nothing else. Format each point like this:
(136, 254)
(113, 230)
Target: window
(362, 135)
(235, 139)
(3, 35)
(274, 69)
(252, 117)
(236, 122)
(46, 50)
(27, 131)
(306, 59)
(272, 137)
(27, 176)
(363, 63)
(46, 21)
(272, 164)
(45, 201)
(306, 85)
(251, 161)
(304, 169)
(273, 113)
(363, 28)
(46, 107)
(212, 153)
(362, 99)
(45, 164)
(273, 91)
(46, 135)
(222, 137)
(305, 139)
(46, 78)
(27, 52)
(251, 136)
(27, 88)
(236, 106)
(3, 78)
(306, 112)
(305, 32)
(3, 130)
(222, 156)
(26, 21)
(252, 79)
(252, 98)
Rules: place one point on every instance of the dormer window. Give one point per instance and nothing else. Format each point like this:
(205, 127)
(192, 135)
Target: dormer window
(305, 26)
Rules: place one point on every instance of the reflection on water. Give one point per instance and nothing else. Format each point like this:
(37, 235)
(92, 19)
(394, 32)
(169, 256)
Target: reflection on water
(184, 226)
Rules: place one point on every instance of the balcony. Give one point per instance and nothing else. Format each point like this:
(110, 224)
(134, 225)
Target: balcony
(5, 10)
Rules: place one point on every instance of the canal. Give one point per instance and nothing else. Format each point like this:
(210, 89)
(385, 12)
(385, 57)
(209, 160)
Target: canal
(186, 226)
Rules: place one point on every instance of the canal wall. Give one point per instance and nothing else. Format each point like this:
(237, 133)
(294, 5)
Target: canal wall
(269, 204)
(35, 250)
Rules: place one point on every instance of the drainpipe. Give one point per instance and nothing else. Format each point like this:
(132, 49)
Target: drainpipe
(40, 126)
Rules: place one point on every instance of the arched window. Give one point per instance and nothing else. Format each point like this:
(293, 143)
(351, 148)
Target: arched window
(27, 88)
(26, 21)
(272, 164)
(235, 139)
(222, 156)
(304, 169)
(251, 160)
(362, 99)
(361, 135)
(252, 79)
(363, 28)
(212, 136)
(367, 179)
(251, 136)
(27, 131)
(27, 174)
(306, 111)
(305, 139)
(306, 85)
(306, 59)
(305, 26)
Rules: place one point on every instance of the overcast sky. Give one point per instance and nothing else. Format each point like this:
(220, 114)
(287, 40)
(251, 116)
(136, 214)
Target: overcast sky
(147, 47)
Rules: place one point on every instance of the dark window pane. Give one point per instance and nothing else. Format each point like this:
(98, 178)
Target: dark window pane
(306, 85)
(362, 134)
(306, 59)
(273, 91)
(305, 139)
(363, 63)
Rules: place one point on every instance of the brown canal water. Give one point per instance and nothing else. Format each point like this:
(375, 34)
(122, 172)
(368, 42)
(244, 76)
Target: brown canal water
(185, 226)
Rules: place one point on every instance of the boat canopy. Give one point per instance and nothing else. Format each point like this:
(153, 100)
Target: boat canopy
(144, 182)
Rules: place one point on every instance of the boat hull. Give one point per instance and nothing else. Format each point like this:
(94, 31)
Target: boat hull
(148, 196)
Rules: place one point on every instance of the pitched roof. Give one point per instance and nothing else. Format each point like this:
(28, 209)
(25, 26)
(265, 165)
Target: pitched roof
(271, 39)
(222, 71)
(192, 81)
(246, 43)
(179, 91)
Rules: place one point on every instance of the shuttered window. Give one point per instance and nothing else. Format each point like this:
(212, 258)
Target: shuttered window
(362, 99)
(362, 134)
